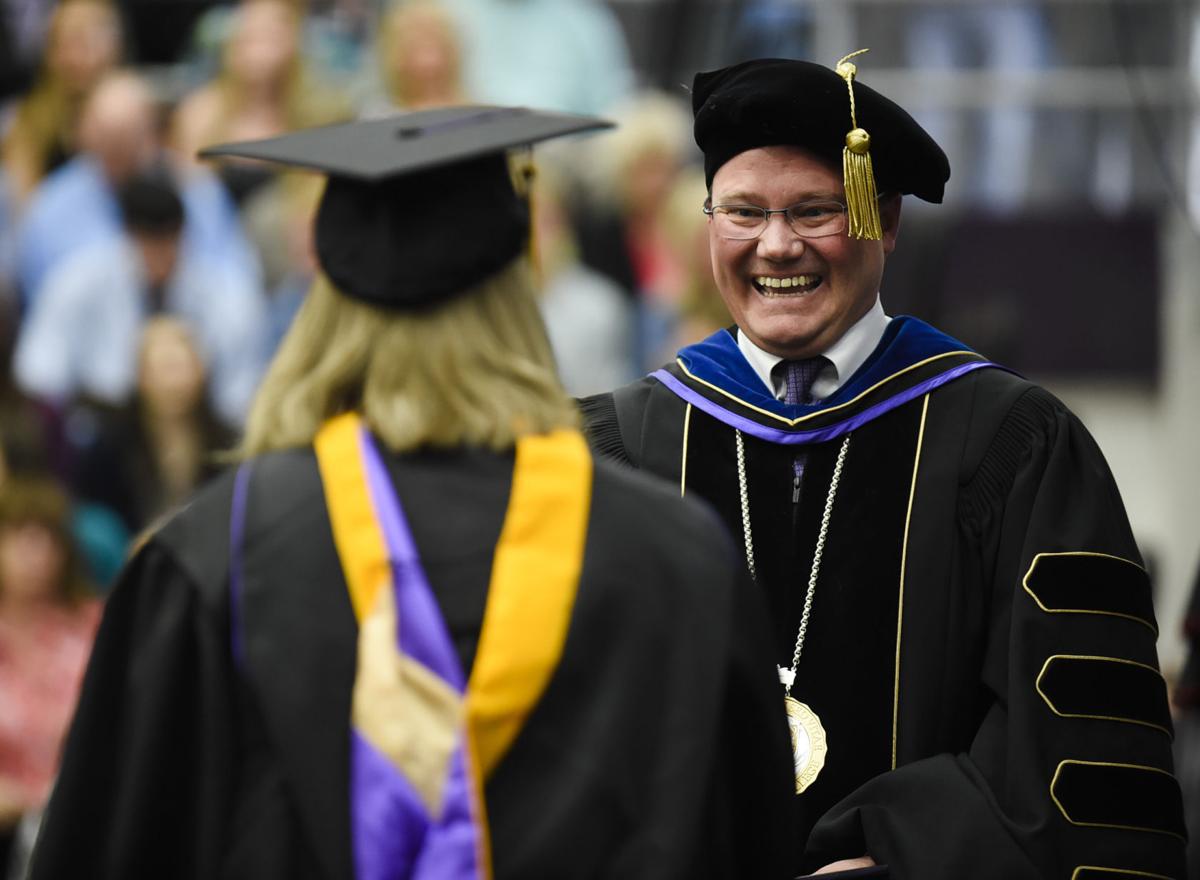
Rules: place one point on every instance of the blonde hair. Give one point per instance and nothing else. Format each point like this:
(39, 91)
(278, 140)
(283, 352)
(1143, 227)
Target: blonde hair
(477, 370)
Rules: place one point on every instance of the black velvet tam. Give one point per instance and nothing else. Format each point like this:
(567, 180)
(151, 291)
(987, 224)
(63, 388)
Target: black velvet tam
(773, 101)
(419, 207)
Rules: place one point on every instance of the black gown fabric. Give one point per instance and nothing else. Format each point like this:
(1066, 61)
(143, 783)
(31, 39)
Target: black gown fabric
(981, 647)
(659, 748)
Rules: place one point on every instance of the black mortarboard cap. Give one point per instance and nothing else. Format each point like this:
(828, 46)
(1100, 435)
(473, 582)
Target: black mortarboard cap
(419, 206)
(775, 101)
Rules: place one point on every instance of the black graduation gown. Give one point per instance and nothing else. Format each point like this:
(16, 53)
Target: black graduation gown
(991, 713)
(659, 748)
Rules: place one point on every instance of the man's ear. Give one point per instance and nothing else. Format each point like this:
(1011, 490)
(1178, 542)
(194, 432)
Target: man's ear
(889, 220)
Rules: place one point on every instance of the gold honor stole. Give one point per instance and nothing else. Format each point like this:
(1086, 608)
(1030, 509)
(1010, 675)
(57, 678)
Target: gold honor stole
(424, 741)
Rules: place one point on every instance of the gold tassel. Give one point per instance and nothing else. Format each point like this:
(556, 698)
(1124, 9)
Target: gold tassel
(862, 204)
(524, 172)
(535, 256)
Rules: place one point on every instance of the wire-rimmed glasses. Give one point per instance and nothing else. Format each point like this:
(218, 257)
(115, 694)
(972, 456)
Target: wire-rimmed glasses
(812, 219)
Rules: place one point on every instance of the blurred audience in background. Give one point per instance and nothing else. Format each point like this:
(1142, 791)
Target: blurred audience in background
(568, 55)
(1008, 38)
(419, 58)
(264, 88)
(30, 430)
(335, 37)
(81, 335)
(773, 29)
(701, 310)
(48, 619)
(83, 44)
(279, 220)
(624, 227)
(33, 443)
(589, 318)
(148, 455)
(76, 206)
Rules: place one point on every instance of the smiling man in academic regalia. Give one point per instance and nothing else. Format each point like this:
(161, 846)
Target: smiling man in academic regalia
(420, 632)
(963, 627)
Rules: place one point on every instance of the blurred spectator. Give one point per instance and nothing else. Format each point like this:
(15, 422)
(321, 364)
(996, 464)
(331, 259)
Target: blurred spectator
(419, 54)
(47, 623)
(32, 444)
(280, 220)
(588, 317)
(152, 453)
(625, 232)
(702, 311)
(264, 88)
(335, 37)
(1004, 37)
(83, 43)
(29, 430)
(567, 55)
(76, 206)
(81, 335)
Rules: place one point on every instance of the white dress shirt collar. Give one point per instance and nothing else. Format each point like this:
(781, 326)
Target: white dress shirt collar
(845, 356)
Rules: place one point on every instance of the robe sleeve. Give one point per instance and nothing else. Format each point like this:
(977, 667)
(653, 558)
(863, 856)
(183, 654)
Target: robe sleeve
(617, 423)
(1069, 774)
(144, 779)
(603, 428)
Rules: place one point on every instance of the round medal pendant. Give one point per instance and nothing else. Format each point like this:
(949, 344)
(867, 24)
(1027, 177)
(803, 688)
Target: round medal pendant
(808, 742)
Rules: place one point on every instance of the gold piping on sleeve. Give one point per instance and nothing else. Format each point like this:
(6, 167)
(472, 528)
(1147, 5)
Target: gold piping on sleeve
(687, 422)
(1034, 596)
(796, 421)
(1046, 666)
(1063, 810)
(912, 491)
(1124, 872)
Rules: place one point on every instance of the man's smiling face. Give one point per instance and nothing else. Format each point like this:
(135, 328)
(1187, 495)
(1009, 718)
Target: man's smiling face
(831, 281)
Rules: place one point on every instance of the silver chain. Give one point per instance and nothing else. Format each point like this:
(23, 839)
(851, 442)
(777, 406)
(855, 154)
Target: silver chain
(741, 457)
(818, 551)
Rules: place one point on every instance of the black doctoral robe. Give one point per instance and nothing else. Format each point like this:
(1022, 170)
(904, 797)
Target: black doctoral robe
(659, 748)
(981, 649)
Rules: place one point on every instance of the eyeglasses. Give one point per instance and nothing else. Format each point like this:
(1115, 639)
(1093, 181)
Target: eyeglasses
(816, 219)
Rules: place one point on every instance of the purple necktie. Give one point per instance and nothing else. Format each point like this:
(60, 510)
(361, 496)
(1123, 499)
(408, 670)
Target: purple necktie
(799, 376)
(798, 381)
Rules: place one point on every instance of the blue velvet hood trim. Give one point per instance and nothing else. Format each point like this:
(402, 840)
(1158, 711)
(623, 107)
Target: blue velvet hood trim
(911, 359)
(718, 361)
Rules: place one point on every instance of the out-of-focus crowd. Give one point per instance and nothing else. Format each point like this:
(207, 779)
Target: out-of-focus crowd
(143, 291)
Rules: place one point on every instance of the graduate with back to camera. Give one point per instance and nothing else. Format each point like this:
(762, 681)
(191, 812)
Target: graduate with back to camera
(964, 630)
(419, 632)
